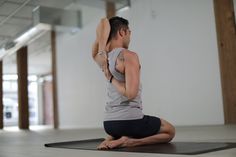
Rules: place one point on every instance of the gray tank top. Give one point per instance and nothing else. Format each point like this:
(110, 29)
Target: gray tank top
(118, 107)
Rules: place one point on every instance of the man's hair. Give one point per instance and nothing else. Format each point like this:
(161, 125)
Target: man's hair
(117, 23)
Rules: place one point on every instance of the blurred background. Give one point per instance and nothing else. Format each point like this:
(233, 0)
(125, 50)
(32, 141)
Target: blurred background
(176, 42)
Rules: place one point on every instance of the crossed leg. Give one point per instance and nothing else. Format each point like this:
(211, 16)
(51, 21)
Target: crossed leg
(165, 135)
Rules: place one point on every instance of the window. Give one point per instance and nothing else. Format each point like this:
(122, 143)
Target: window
(10, 99)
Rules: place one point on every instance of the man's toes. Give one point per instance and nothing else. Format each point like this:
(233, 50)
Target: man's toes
(102, 148)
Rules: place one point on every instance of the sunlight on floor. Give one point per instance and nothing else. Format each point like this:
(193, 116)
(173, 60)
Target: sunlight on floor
(33, 127)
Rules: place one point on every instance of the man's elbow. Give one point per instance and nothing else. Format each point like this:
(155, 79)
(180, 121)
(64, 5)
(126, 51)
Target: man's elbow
(93, 55)
(131, 95)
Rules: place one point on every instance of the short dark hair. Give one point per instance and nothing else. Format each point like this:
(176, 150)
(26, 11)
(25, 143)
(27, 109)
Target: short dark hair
(117, 23)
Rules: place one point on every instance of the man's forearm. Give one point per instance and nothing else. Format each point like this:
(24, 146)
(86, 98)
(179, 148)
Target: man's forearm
(120, 86)
(95, 49)
(99, 59)
(103, 31)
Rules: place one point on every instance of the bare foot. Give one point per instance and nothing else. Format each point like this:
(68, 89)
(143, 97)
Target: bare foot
(130, 142)
(104, 144)
(121, 142)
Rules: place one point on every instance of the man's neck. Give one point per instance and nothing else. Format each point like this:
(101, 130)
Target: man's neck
(115, 44)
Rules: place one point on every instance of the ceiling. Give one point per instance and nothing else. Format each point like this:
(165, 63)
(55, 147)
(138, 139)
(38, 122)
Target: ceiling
(13, 24)
(16, 18)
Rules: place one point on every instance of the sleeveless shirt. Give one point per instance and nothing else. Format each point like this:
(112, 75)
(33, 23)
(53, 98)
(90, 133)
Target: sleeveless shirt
(119, 107)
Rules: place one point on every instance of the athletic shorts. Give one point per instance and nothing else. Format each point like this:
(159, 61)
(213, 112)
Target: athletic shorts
(138, 128)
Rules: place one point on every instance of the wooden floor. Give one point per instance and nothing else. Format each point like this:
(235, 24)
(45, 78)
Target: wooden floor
(15, 143)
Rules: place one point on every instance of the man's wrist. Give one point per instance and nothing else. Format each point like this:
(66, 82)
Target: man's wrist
(102, 52)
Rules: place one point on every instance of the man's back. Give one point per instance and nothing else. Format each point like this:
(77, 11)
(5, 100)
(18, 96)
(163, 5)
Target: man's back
(118, 106)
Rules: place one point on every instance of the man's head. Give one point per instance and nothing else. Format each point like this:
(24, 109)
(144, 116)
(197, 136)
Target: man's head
(119, 30)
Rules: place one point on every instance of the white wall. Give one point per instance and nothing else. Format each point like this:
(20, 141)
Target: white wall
(176, 43)
(81, 86)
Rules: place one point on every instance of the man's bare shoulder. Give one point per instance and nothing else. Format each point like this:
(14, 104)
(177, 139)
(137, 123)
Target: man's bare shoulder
(130, 58)
(130, 54)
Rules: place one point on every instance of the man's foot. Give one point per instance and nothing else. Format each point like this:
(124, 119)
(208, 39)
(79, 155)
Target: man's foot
(104, 144)
(124, 141)
(121, 142)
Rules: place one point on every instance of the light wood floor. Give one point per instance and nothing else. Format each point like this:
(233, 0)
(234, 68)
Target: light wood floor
(31, 143)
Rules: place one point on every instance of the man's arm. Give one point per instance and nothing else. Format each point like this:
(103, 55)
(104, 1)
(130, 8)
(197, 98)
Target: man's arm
(103, 31)
(132, 76)
(99, 47)
(100, 59)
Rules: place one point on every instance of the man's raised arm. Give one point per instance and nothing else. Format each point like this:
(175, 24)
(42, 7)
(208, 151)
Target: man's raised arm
(99, 53)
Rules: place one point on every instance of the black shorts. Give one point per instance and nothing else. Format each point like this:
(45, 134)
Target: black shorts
(138, 128)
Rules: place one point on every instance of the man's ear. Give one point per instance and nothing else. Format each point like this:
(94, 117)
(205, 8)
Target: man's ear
(121, 32)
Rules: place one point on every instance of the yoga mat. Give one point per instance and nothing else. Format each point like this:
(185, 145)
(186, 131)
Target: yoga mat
(187, 148)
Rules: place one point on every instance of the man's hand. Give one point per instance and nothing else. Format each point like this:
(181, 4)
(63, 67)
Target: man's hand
(107, 72)
(104, 64)
(102, 59)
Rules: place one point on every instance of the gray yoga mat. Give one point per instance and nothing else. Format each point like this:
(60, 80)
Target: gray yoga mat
(188, 148)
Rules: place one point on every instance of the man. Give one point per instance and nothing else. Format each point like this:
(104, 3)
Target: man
(124, 121)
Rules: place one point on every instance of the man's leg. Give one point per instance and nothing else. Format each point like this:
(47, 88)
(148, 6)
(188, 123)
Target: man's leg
(165, 135)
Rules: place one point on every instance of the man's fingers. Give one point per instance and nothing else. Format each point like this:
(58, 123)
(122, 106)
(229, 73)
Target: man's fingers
(106, 71)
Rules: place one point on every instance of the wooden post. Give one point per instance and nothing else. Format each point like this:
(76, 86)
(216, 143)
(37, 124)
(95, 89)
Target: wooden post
(110, 9)
(1, 97)
(54, 80)
(226, 37)
(22, 70)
